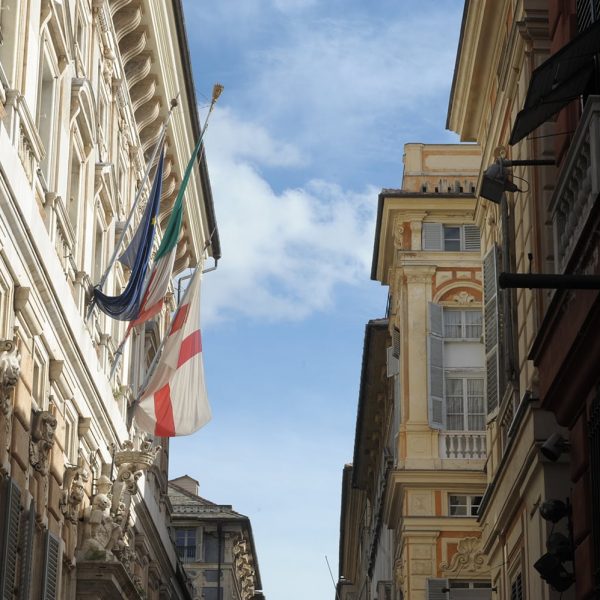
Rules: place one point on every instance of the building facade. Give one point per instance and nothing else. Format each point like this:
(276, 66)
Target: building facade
(411, 496)
(85, 87)
(215, 544)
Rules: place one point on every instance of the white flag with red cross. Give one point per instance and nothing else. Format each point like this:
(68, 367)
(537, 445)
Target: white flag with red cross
(175, 402)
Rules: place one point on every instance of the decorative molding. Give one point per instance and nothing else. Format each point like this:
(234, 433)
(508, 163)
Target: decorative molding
(468, 558)
(463, 298)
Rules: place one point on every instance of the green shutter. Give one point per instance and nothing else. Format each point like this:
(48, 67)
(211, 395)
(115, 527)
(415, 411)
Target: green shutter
(491, 299)
(27, 537)
(435, 358)
(9, 540)
(51, 574)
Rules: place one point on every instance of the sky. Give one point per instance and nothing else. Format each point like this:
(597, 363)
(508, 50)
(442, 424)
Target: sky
(320, 97)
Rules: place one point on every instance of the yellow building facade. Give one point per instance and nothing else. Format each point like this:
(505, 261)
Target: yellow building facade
(411, 496)
(501, 44)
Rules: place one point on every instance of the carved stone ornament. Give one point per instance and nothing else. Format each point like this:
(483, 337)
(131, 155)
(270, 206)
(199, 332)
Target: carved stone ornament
(132, 462)
(399, 573)
(243, 567)
(463, 298)
(10, 369)
(100, 532)
(42, 440)
(398, 234)
(468, 558)
(73, 492)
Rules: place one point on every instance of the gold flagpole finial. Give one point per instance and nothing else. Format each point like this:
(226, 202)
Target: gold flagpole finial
(217, 89)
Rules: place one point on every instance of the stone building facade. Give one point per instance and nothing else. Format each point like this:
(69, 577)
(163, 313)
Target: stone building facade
(85, 87)
(215, 544)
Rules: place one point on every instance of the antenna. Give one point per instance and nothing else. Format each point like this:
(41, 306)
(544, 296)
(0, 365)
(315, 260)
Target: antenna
(337, 596)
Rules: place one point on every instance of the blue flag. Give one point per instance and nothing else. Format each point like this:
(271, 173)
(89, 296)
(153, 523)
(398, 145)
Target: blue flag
(125, 307)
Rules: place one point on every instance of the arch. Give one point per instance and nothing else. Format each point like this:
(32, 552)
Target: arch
(460, 293)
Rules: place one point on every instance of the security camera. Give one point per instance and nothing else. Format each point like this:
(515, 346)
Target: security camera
(554, 446)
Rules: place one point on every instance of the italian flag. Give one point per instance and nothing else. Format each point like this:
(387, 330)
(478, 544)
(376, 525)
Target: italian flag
(160, 277)
(175, 402)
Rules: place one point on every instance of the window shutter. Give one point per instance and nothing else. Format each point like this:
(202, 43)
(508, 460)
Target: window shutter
(27, 552)
(435, 356)
(588, 11)
(432, 236)
(435, 587)
(11, 517)
(393, 364)
(396, 342)
(50, 577)
(492, 329)
(472, 238)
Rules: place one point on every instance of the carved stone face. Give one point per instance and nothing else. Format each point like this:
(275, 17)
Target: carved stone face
(101, 502)
(10, 368)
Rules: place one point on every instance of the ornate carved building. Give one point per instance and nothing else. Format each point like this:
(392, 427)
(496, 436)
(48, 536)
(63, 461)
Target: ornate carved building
(410, 498)
(85, 86)
(215, 544)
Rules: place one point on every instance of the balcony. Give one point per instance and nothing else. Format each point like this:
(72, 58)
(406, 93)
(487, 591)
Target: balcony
(469, 445)
(577, 188)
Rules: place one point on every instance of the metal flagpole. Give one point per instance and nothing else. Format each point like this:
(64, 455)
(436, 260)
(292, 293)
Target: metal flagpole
(217, 90)
(136, 201)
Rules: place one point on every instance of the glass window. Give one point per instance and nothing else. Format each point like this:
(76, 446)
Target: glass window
(185, 540)
(462, 324)
(452, 238)
(211, 547)
(211, 593)
(463, 505)
(465, 404)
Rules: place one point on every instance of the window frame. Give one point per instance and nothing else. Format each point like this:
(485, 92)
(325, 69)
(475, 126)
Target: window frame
(464, 378)
(191, 539)
(471, 507)
(463, 323)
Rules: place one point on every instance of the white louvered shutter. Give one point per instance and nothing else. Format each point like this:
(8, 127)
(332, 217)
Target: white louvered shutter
(435, 357)
(472, 238)
(435, 587)
(27, 537)
(393, 364)
(9, 526)
(492, 329)
(432, 236)
(51, 574)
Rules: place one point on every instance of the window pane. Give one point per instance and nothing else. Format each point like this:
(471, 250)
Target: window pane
(211, 547)
(452, 323)
(475, 405)
(457, 506)
(451, 239)
(473, 324)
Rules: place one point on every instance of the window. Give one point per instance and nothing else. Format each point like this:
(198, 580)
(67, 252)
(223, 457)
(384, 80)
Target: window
(211, 544)
(212, 593)
(516, 588)
(211, 575)
(462, 324)
(465, 404)
(463, 505)
(71, 441)
(185, 540)
(47, 107)
(588, 11)
(451, 238)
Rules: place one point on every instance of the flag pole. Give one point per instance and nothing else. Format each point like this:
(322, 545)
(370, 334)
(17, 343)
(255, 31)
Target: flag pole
(198, 153)
(136, 201)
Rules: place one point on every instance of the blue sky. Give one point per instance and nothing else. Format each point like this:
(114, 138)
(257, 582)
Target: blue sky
(320, 98)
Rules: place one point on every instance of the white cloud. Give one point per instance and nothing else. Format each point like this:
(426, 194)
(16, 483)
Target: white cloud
(283, 253)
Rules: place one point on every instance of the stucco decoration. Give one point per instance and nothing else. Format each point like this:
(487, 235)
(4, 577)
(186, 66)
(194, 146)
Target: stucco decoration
(399, 234)
(42, 440)
(10, 369)
(463, 298)
(244, 570)
(468, 558)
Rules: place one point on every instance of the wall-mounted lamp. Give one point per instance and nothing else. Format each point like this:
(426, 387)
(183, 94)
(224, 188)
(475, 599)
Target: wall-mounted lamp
(496, 179)
(554, 446)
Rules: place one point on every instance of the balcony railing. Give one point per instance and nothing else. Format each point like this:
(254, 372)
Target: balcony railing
(463, 445)
(578, 185)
